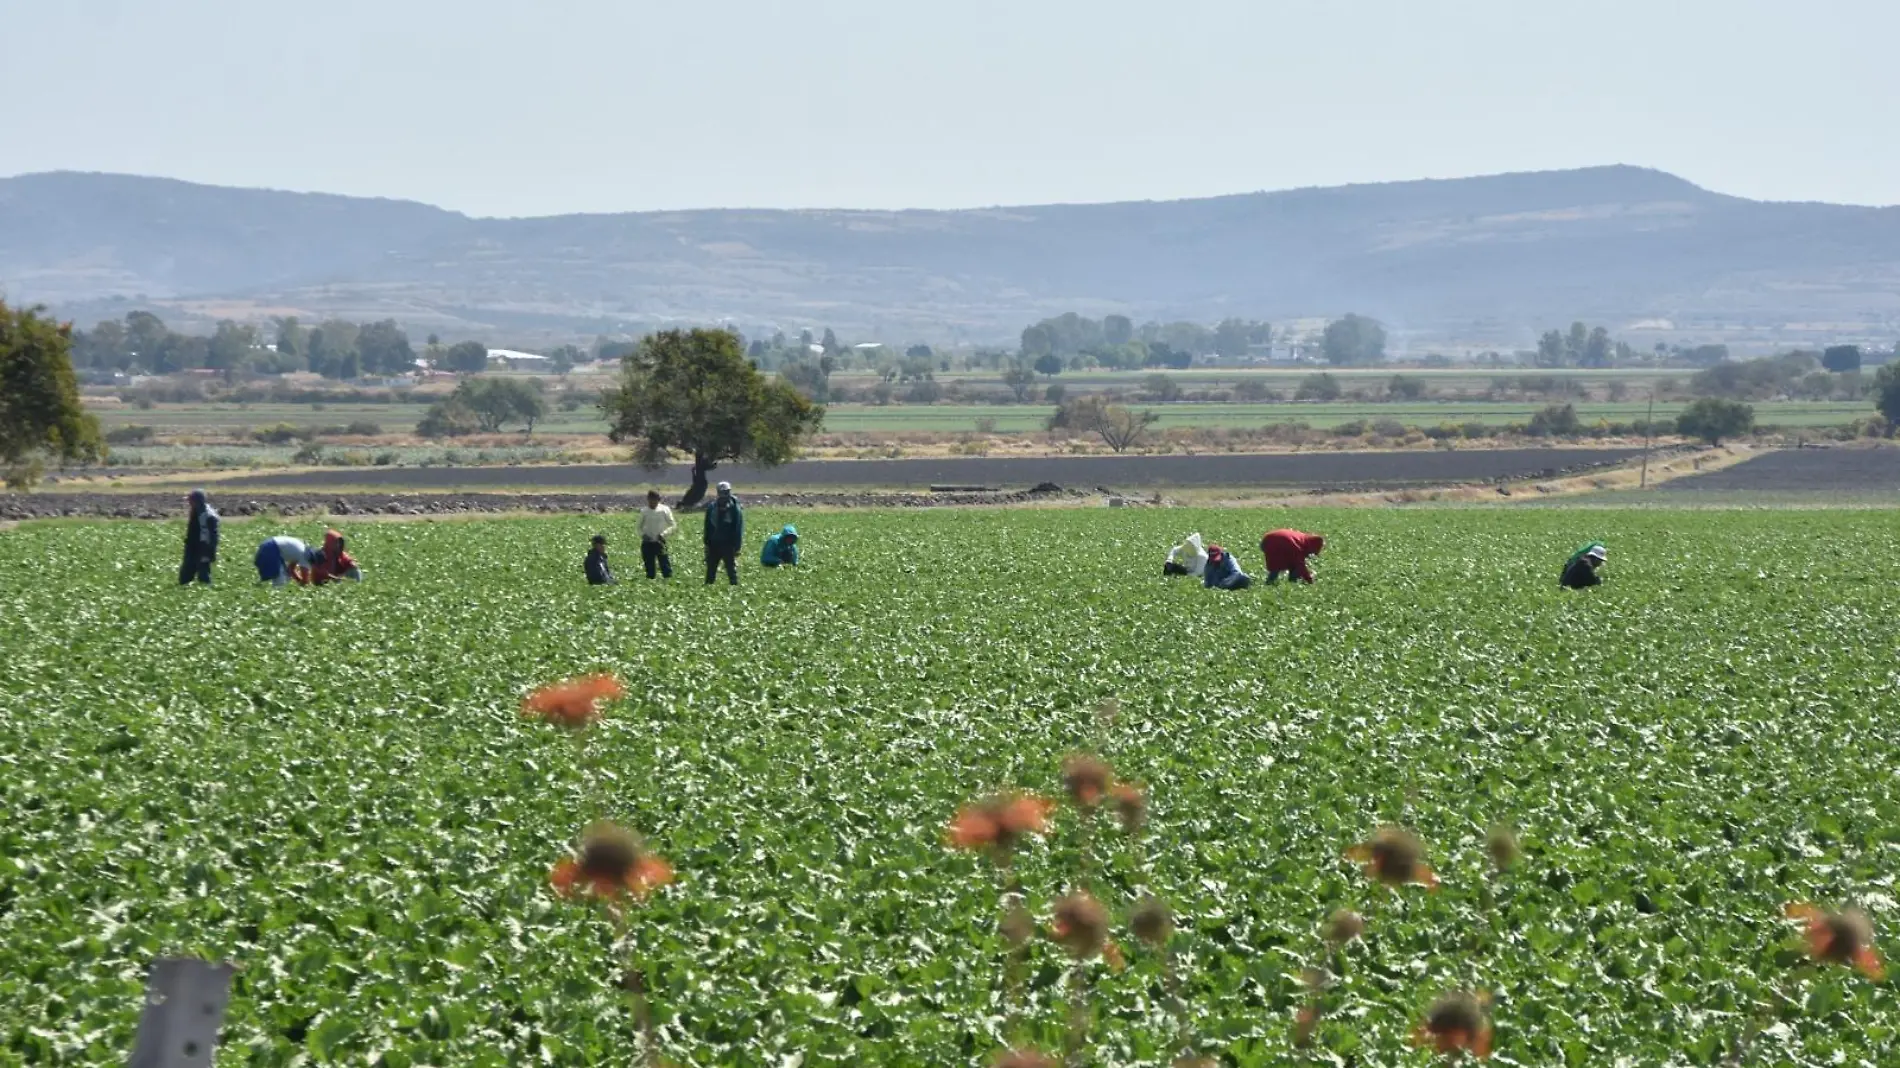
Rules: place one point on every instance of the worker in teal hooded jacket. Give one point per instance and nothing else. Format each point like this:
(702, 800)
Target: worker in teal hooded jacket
(781, 548)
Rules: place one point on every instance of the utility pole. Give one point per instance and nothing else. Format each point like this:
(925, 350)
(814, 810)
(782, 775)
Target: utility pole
(1649, 427)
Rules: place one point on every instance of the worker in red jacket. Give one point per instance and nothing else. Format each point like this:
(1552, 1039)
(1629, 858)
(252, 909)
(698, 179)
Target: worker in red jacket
(1286, 552)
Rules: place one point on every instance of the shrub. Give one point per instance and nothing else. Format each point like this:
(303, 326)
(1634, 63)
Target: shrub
(1388, 428)
(280, 434)
(1354, 429)
(364, 428)
(130, 434)
(1713, 419)
(1555, 421)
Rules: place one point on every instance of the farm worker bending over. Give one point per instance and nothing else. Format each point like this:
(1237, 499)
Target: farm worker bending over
(1187, 558)
(281, 559)
(1581, 570)
(201, 540)
(781, 548)
(598, 573)
(1286, 552)
(1223, 571)
(725, 534)
(331, 563)
(656, 525)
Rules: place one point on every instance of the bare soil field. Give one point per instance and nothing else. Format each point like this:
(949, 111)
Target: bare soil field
(1811, 470)
(1327, 471)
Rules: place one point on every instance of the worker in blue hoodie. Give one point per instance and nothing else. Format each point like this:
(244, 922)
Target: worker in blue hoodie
(201, 540)
(1223, 571)
(781, 548)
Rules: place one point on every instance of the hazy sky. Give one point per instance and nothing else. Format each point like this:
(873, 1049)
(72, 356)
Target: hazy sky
(508, 107)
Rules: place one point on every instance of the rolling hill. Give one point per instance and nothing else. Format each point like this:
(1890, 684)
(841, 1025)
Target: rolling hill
(1476, 260)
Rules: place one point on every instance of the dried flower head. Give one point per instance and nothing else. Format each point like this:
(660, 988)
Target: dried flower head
(573, 704)
(1107, 711)
(1152, 921)
(1022, 1058)
(1501, 843)
(1844, 937)
(1017, 927)
(1344, 926)
(1455, 1024)
(997, 823)
(1131, 805)
(613, 863)
(1305, 1022)
(1395, 857)
(1081, 924)
(1087, 779)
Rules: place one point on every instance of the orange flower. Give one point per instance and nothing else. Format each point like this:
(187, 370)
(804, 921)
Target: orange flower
(1087, 779)
(572, 704)
(1081, 925)
(1112, 953)
(613, 863)
(1845, 937)
(997, 822)
(1131, 805)
(1456, 1024)
(1394, 856)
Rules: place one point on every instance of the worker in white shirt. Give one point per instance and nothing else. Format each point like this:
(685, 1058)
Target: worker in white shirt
(282, 558)
(656, 525)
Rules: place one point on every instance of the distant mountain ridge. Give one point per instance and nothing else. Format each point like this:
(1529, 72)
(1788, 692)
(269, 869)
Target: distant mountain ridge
(1471, 258)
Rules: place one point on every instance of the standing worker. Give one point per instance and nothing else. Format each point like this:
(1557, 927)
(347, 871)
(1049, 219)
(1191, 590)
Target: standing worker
(725, 535)
(201, 540)
(1286, 552)
(1580, 571)
(656, 525)
(781, 549)
(282, 558)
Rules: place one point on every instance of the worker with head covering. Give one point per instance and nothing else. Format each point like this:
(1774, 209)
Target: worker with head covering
(1223, 571)
(725, 535)
(282, 558)
(1187, 558)
(595, 565)
(332, 563)
(1580, 571)
(201, 540)
(781, 549)
(1286, 552)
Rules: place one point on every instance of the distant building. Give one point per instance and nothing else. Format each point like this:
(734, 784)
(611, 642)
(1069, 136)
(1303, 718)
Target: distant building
(519, 361)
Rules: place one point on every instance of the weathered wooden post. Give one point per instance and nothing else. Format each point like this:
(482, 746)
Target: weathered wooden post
(184, 1008)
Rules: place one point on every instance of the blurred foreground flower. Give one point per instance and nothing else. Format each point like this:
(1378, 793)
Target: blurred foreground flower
(1131, 805)
(1087, 779)
(1152, 921)
(1344, 926)
(1844, 937)
(1022, 1058)
(1501, 844)
(613, 863)
(572, 704)
(1456, 1024)
(997, 822)
(1081, 925)
(1395, 857)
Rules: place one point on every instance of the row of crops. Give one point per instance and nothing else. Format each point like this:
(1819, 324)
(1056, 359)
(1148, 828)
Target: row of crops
(338, 790)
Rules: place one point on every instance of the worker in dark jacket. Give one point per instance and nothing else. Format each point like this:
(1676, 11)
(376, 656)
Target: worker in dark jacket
(598, 573)
(201, 540)
(725, 535)
(781, 549)
(1223, 571)
(1580, 571)
(1286, 552)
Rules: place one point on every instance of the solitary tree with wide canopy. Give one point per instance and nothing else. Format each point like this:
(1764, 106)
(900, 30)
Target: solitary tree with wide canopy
(40, 412)
(694, 392)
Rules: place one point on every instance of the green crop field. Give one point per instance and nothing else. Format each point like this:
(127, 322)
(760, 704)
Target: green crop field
(335, 788)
